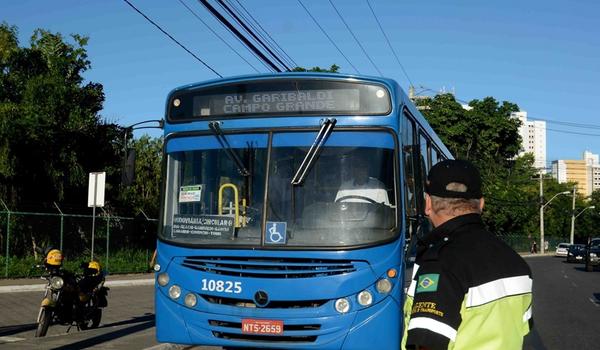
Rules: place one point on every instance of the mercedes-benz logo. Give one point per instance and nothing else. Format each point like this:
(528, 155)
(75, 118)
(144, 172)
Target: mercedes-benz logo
(261, 298)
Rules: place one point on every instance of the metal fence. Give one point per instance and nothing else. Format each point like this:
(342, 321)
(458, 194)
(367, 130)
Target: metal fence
(121, 244)
(523, 244)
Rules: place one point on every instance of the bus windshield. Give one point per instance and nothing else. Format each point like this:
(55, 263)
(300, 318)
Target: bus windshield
(348, 197)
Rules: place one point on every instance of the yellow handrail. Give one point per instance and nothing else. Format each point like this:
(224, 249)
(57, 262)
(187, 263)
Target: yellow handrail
(235, 198)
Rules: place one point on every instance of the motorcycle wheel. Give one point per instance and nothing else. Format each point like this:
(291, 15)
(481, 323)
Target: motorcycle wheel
(96, 317)
(93, 321)
(45, 318)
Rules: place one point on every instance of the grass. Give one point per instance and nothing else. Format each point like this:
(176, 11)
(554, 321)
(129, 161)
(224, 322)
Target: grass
(123, 261)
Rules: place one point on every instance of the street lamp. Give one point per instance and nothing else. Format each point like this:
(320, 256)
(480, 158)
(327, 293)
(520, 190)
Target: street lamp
(542, 206)
(573, 217)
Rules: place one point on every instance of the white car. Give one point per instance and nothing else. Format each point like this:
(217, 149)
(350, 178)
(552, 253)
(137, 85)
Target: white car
(562, 249)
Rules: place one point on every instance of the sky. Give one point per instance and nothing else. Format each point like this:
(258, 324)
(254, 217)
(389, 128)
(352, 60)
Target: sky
(543, 55)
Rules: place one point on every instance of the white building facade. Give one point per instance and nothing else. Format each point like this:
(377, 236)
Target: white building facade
(593, 162)
(533, 136)
(559, 171)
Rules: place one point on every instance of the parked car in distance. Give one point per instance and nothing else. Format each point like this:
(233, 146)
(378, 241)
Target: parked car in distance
(562, 249)
(576, 253)
(592, 254)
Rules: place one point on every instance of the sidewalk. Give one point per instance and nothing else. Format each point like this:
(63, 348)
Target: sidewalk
(38, 284)
(531, 255)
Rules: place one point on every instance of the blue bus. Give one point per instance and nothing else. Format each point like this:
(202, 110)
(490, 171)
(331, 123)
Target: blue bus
(287, 203)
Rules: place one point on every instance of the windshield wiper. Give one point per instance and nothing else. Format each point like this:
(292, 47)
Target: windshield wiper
(315, 148)
(215, 127)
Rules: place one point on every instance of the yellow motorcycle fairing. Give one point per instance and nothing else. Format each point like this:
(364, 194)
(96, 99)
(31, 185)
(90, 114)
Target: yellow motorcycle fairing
(84, 297)
(47, 302)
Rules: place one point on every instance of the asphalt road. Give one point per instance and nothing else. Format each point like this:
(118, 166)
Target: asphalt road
(566, 306)
(127, 323)
(566, 314)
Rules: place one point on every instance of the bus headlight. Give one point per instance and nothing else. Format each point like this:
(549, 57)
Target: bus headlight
(174, 291)
(163, 279)
(190, 300)
(56, 282)
(365, 298)
(384, 286)
(342, 305)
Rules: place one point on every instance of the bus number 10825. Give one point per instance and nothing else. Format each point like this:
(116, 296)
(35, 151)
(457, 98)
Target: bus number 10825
(221, 286)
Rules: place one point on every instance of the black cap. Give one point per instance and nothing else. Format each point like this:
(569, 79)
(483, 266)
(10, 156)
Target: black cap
(449, 171)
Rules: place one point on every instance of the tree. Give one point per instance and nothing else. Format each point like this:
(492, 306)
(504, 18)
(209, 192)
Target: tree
(51, 133)
(485, 134)
(144, 193)
(333, 69)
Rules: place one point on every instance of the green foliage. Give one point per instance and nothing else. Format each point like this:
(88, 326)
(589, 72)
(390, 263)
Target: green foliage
(588, 221)
(144, 193)
(486, 135)
(122, 261)
(333, 69)
(51, 135)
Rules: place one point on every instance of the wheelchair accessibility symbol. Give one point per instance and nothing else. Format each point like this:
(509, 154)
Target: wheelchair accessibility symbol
(276, 232)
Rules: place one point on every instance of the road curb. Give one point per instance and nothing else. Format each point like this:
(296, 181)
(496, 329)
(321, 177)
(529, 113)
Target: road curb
(41, 287)
(537, 255)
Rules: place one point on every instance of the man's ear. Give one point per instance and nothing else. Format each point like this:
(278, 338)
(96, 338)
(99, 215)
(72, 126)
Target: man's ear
(481, 204)
(428, 208)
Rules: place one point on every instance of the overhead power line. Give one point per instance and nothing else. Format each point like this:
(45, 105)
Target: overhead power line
(217, 35)
(571, 124)
(251, 32)
(277, 46)
(355, 38)
(389, 44)
(570, 132)
(172, 38)
(328, 37)
(240, 36)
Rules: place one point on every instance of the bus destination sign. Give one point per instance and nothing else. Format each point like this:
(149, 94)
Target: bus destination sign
(278, 102)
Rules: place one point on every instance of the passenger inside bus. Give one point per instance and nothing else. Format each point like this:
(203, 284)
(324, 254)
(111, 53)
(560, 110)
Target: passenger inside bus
(360, 187)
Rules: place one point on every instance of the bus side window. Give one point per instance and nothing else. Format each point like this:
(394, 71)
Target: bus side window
(408, 150)
(425, 165)
(434, 156)
(424, 160)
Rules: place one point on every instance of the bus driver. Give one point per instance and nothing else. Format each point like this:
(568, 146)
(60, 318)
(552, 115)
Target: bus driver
(361, 188)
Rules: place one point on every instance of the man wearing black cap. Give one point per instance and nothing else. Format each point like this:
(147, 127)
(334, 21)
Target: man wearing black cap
(469, 290)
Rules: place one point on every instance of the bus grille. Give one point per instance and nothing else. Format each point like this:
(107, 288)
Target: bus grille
(274, 304)
(236, 326)
(269, 267)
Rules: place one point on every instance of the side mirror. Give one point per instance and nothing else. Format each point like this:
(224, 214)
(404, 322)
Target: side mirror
(128, 171)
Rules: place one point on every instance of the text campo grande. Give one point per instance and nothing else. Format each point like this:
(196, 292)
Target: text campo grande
(280, 102)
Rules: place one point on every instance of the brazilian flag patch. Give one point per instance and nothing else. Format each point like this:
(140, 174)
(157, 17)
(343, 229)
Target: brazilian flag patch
(428, 282)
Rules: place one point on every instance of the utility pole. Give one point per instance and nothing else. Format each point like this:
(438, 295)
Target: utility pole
(573, 217)
(541, 211)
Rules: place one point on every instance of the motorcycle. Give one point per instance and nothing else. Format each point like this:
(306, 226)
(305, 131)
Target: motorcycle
(71, 299)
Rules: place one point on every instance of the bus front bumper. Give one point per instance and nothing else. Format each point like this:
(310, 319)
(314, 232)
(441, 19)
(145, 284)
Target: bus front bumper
(375, 327)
